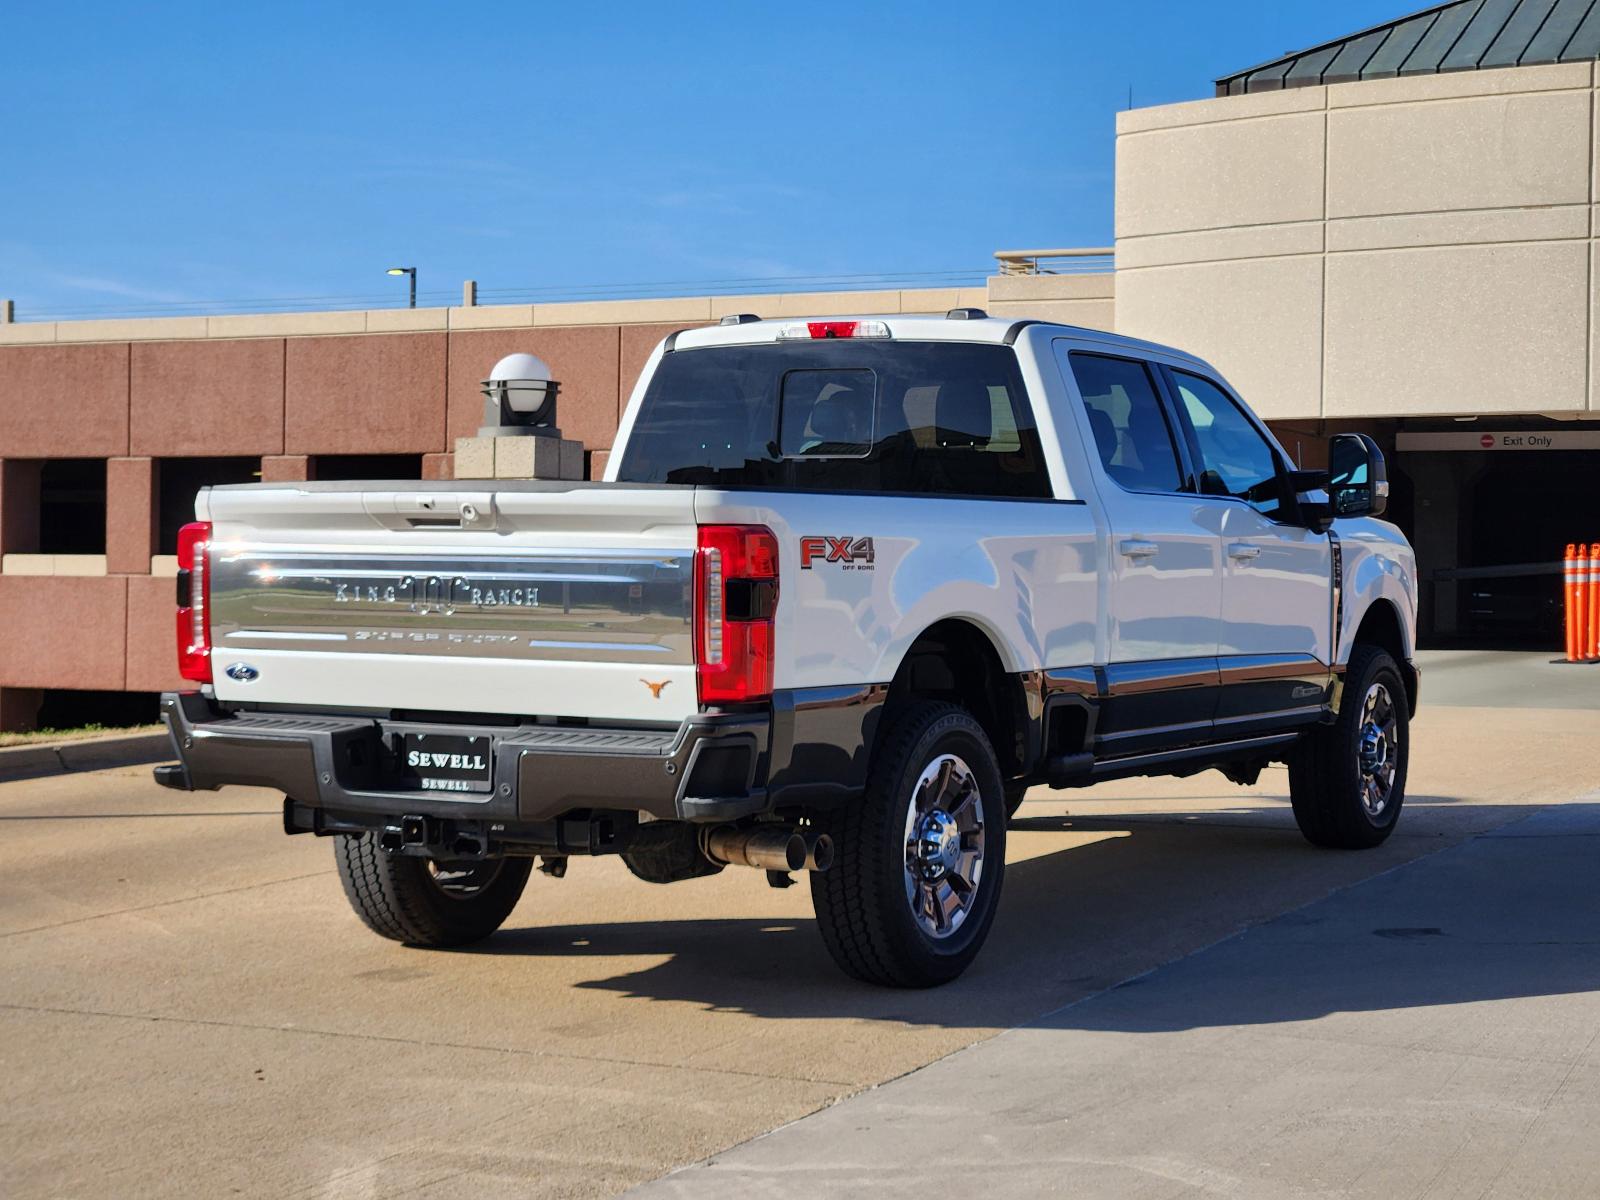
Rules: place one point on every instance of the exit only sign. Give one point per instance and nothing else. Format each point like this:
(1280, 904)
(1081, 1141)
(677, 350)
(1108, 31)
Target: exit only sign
(1492, 439)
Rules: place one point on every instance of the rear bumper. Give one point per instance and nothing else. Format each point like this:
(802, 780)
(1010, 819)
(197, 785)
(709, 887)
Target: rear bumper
(712, 767)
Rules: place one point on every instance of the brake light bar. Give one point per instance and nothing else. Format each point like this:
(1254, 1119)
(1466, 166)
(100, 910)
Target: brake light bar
(194, 602)
(736, 598)
(834, 329)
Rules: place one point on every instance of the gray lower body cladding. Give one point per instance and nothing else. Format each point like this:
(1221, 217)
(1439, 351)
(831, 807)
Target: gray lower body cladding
(807, 748)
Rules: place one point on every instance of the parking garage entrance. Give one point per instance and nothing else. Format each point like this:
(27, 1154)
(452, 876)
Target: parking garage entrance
(1490, 512)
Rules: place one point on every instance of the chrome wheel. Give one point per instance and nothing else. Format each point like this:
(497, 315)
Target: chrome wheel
(1377, 750)
(463, 880)
(944, 845)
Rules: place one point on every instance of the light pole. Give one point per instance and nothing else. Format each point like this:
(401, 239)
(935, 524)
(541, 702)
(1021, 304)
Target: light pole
(412, 272)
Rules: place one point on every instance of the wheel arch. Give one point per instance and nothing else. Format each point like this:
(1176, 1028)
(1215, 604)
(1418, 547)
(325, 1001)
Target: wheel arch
(954, 659)
(1382, 626)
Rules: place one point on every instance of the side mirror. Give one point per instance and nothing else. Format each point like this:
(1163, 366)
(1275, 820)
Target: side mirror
(1358, 481)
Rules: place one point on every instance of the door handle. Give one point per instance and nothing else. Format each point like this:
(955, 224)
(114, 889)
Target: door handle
(1243, 551)
(1137, 548)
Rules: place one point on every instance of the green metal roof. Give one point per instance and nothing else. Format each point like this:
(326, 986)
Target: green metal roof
(1467, 35)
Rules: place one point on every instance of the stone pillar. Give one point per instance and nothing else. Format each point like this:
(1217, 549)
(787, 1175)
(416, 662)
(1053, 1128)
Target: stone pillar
(19, 709)
(8, 312)
(19, 506)
(469, 294)
(285, 468)
(518, 458)
(132, 496)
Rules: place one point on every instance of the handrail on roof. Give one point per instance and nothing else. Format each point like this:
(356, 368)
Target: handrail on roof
(1074, 261)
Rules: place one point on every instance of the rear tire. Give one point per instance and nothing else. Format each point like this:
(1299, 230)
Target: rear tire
(428, 902)
(1347, 780)
(920, 858)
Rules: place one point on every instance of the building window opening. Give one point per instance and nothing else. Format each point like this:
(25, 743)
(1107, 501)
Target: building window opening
(367, 466)
(181, 478)
(72, 506)
(70, 709)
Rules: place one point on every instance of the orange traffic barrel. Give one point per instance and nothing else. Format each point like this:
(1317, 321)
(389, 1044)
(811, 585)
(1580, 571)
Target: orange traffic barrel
(1593, 651)
(1581, 608)
(1571, 605)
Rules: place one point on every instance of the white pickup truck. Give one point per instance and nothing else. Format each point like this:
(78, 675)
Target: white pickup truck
(849, 588)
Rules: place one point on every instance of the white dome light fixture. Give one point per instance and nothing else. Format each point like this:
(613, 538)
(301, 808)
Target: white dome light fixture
(519, 399)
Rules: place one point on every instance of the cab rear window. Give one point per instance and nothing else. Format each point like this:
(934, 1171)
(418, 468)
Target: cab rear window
(939, 418)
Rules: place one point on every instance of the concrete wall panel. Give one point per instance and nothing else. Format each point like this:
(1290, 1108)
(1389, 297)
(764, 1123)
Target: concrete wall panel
(152, 653)
(64, 631)
(1089, 314)
(1052, 287)
(134, 329)
(289, 324)
(365, 395)
(1215, 176)
(638, 342)
(1594, 326)
(130, 514)
(1258, 321)
(1490, 152)
(1456, 85)
(204, 398)
(492, 316)
(582, 359)
(1463, 329)
(1204, 112)
(64, 401)
(1459, 228)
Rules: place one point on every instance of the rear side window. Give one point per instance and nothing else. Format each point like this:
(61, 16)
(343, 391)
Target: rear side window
(937, 418)
(1130, 428)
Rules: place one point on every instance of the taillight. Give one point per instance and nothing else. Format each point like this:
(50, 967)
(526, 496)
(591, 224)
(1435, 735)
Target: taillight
(835, 329)
(194, 602)
(736, 597)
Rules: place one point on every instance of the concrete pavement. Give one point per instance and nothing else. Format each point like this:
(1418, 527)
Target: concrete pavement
(188, 1007)
(1432, 1032)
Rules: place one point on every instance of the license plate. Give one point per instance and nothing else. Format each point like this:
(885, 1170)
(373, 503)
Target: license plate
(446, 762)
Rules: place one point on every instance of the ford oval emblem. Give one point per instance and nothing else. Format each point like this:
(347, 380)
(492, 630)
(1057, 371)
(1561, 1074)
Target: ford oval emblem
(242, 672)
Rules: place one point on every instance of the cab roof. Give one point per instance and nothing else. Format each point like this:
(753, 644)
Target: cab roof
(973, 325)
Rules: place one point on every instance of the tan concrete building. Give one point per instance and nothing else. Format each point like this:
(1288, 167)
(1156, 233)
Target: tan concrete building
(1389, 231)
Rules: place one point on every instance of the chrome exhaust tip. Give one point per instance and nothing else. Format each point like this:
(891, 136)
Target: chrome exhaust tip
(767, 849)
(819, 851)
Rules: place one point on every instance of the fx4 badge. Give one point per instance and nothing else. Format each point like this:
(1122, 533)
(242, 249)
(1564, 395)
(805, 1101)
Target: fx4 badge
(855, 553)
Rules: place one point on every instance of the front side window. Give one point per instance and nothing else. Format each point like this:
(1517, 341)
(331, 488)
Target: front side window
(940, 418)
(1235, 460)
(1130, 429)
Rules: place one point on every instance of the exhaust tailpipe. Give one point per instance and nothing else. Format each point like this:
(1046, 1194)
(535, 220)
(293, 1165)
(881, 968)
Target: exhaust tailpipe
(819, 851)
(773, 848)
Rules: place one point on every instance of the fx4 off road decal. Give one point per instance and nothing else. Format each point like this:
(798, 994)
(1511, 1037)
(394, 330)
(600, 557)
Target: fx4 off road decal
(855, 553)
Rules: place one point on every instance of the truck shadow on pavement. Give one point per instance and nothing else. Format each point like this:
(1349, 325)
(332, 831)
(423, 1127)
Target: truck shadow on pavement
(1494, 915)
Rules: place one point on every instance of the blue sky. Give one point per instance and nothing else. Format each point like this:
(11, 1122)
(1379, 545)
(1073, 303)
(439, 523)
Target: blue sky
(156, 157)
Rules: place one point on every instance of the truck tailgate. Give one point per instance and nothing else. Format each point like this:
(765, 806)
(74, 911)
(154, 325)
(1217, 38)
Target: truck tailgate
(527, 599)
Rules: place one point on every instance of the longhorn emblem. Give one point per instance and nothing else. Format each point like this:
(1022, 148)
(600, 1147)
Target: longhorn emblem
(655, 688)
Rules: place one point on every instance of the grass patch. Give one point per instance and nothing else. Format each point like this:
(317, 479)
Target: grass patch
(53, 735)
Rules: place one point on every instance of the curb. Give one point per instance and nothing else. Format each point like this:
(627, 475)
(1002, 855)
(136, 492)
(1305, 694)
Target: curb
(90, 754)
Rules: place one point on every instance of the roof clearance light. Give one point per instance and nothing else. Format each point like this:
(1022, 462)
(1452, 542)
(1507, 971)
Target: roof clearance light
(835, 329)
